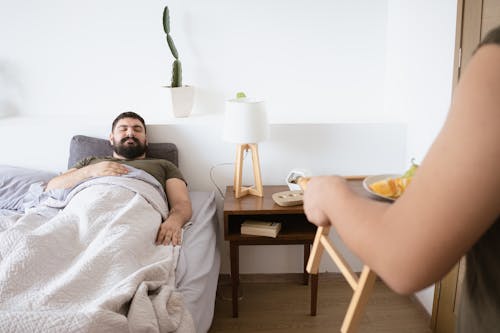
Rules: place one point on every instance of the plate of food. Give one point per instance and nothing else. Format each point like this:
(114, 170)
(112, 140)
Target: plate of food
(389, 186)
(382, 186)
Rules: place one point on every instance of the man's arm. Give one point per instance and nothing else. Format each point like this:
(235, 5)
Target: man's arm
(73, 176)
(452, 200)
(180, 212)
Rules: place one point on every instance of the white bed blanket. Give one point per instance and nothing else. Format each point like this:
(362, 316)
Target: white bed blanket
(91, 266)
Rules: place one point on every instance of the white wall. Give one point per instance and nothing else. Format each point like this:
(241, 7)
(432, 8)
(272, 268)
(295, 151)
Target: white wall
(68, 68)
(312, 63)
(419, 62)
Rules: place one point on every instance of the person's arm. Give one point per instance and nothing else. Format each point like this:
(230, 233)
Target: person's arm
(452, 200)
(73, 176)
(180, 212)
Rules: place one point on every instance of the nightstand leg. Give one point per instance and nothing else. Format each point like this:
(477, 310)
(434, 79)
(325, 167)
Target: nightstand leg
(307, 251)
(314, 293)
(235, 275)
(314, 280)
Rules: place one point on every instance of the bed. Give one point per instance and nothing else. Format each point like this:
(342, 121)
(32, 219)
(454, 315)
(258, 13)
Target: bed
(80, 261)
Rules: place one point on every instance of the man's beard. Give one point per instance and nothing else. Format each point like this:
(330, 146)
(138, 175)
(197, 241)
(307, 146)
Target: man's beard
(130, 152)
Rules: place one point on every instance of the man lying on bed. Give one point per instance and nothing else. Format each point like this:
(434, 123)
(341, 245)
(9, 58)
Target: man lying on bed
(129, 140)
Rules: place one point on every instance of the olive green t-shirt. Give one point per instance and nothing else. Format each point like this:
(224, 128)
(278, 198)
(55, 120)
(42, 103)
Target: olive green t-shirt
(158, 168)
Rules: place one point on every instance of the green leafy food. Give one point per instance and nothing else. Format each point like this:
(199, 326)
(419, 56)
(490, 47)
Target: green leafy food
(411, 171)
(240, 94)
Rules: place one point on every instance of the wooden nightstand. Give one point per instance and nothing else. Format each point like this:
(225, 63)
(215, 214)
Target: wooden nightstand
(295, 229)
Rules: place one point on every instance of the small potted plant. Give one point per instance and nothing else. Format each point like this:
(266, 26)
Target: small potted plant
(182, 96)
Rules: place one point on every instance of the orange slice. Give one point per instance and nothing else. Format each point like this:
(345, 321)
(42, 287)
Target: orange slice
(384, 187)
(391, 187)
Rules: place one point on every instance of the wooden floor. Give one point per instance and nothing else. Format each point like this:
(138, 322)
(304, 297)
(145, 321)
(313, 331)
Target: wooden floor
(284, 306)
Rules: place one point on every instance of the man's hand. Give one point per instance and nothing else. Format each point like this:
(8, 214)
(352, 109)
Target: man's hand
(73, 176)
(180, 212)
(106, 168)
(170, 232)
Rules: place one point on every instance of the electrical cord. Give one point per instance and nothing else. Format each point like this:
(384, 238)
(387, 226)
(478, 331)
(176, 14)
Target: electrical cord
(212, 179)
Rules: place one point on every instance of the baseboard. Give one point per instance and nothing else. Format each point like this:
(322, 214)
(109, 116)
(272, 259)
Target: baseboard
(279, 277)
(263, 278)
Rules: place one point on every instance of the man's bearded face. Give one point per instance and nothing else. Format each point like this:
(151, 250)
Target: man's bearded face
(130, 148)
(129, 138)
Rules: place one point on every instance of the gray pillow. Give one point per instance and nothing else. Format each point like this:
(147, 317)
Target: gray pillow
(82, 146)
(15, 182)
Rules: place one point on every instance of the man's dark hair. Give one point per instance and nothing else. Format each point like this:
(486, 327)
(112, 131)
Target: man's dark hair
(128, 114)
(493, 37)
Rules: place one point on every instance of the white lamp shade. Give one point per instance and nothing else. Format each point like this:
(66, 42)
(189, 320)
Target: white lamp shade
(245, 121)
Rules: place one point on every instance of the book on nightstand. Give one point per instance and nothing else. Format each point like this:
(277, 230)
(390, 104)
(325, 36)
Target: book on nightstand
(260, 228)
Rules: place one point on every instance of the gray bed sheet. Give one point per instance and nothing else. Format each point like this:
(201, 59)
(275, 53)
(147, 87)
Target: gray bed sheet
(199, 261)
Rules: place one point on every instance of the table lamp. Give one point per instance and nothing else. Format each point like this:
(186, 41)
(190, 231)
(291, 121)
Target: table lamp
(245, 123)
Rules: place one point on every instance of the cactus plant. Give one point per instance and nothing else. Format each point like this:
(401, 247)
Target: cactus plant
(176, 66)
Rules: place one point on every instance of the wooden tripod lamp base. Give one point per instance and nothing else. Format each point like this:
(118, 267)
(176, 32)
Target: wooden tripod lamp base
(257, 189)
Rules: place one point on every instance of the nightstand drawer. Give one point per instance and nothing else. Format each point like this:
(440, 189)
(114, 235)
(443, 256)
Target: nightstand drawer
(293, 226)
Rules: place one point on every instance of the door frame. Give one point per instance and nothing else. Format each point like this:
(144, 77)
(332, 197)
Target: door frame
(447, 292)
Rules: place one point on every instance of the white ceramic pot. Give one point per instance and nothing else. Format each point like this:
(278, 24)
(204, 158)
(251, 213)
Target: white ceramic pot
(182, 99)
